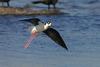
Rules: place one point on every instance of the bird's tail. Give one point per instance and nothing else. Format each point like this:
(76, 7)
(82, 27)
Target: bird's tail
(37, 2)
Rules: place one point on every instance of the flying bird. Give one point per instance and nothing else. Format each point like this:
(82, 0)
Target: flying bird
(47, 2)
(46, 28)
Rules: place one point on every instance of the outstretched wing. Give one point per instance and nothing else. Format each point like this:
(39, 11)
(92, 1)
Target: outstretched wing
(55, 36)
(34, 21)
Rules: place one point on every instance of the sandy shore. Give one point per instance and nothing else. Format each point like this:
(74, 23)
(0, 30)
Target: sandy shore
(27, 11)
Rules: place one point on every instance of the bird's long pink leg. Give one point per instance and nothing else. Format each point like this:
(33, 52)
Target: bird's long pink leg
(27, 43)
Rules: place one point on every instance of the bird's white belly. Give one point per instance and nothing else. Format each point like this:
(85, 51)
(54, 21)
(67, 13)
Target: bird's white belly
(38, 28)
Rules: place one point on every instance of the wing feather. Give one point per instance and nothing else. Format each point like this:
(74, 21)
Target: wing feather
(34, 21)
(55, 36)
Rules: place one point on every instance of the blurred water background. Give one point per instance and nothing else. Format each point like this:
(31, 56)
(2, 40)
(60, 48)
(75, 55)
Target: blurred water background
(79, 26)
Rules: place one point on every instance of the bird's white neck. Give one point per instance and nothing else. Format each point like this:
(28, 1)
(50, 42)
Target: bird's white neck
(47, 25)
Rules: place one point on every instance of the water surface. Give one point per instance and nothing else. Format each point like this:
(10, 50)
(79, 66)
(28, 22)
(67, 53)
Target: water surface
(79, 29)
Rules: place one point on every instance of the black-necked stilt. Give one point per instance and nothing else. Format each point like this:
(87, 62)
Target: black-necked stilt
(39, 26)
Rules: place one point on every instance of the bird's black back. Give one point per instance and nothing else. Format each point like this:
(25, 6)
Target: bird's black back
(50, 1)
(47, 2)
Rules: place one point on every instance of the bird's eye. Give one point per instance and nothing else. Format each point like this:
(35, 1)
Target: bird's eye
(49, 22)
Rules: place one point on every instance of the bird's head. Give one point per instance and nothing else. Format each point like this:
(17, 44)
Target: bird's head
(47, 25)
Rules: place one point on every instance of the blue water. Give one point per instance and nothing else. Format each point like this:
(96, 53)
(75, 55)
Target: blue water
(79, 26)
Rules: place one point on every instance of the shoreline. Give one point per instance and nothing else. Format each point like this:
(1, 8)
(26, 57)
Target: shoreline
(27, 11)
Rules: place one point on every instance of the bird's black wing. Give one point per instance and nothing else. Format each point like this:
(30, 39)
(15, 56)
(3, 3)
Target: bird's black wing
(55, 36)
(34, 21)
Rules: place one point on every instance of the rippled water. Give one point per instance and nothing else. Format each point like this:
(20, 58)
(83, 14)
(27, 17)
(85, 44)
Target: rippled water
(80, 30)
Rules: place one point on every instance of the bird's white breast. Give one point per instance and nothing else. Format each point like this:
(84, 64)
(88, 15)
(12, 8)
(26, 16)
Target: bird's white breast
(38, 28)
(41, 27)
